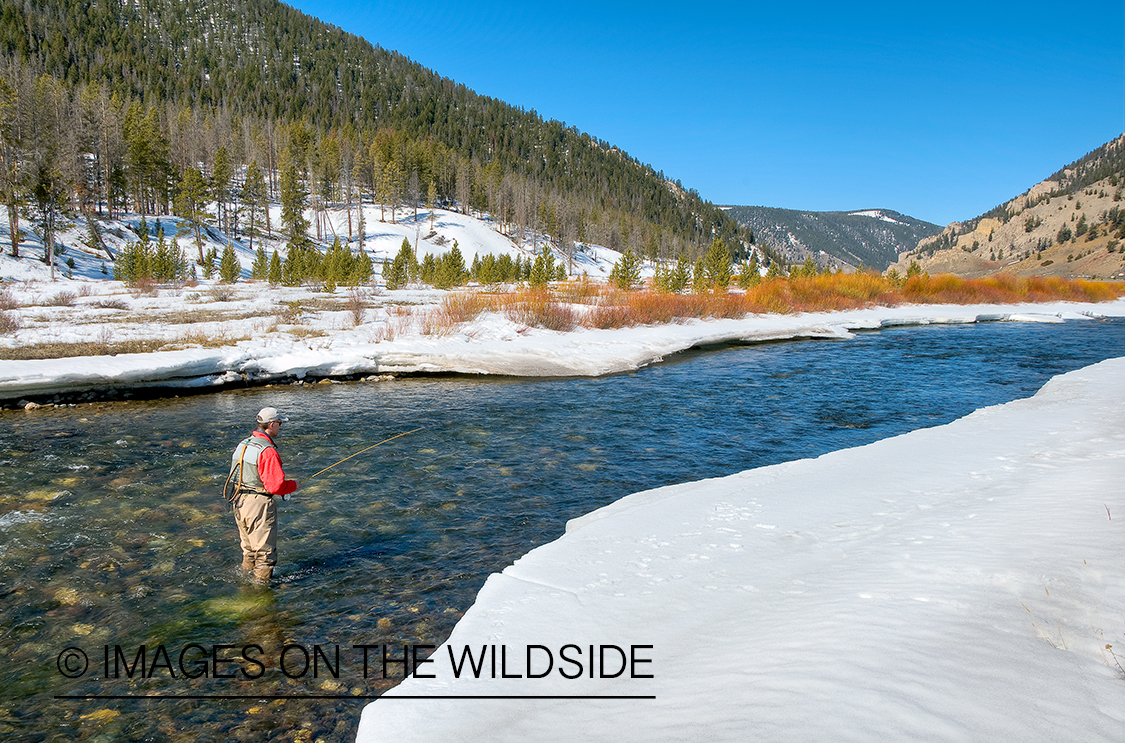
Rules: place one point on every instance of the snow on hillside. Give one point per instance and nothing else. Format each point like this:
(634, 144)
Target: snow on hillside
(958, 583)
(474, 236)
(875, 214)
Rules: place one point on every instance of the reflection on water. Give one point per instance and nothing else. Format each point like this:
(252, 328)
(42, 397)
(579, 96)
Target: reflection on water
(113, 533)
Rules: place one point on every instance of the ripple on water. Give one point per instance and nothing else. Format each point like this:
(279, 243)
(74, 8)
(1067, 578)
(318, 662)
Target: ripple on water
(119, 535)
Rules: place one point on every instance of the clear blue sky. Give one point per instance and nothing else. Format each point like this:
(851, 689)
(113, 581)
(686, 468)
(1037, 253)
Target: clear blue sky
(938, 110)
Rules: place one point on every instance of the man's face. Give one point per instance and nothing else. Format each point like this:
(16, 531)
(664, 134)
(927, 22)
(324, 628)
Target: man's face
(273, 428)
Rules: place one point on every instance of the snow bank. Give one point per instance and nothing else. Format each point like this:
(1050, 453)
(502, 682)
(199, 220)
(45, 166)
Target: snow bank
(491, 345)
(954, 583)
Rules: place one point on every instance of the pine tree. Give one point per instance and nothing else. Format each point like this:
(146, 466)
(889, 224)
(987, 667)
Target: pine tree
(190, 204)
(221, 173)
(362, 269)
(717, 263)
(260, 270)
(254, 198)
(274, 275)
(403, 269)
(229, 267)
(681, 275)
(749, 275)
(450, 269)
(428, 270)
(294, 197)
(699, 283)
(626, 272)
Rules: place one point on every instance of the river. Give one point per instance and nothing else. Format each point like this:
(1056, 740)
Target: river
(114, 536)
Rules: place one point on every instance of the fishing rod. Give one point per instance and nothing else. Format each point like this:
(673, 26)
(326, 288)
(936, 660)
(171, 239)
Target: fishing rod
(392, 438)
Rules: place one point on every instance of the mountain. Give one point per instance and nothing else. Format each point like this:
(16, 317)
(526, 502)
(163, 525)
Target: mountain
(869, 237)
(1069, 225)
(149, 89)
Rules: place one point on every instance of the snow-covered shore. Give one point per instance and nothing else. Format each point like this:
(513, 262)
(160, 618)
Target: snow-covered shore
(492, 344)
(954, 583)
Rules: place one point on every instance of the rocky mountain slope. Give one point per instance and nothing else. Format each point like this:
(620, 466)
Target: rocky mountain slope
(871, 237)
(1070, 225)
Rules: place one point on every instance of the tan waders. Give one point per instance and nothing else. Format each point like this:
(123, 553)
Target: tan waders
(256, 516)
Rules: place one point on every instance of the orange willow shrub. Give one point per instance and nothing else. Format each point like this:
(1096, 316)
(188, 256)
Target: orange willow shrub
(538, 308)
(772, 295)
(457, 308)
(1005, 288)
(840, 291)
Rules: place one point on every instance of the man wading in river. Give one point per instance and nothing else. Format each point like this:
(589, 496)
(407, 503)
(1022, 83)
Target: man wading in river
(255, 478)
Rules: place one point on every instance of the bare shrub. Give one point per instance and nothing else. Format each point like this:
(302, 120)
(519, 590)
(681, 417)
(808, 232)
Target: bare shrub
(85, 290)
(7, 301)
(111, 304)
(146, 287)
(9, 323)
(63, 299)
(222, 293)
(289, 313)
(356, 304)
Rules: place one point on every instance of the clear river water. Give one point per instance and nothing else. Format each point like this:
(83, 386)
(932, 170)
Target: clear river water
(114, 535)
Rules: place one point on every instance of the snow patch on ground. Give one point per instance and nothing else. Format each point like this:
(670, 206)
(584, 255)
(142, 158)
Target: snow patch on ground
(875, 214)
(954, 583)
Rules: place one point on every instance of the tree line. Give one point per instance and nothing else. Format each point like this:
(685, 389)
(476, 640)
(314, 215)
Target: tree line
(204, 109)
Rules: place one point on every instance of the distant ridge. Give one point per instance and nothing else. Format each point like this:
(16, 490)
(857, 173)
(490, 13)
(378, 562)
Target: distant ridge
(869, 237)
(1069, 225)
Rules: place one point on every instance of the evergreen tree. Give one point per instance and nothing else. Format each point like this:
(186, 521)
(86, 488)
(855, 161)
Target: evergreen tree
(699, 283)
(749, 275)
(626, 272)
(221, 173)
(543, 270)
(190, 204)
(717, 263)
(12, 170)
(260, 270)
(208, 264)
(254, 198)
(362, 269)
(294, 198)
(229, 267)
(274, 275)
(403, 269)
(428, 270)
(681, 275)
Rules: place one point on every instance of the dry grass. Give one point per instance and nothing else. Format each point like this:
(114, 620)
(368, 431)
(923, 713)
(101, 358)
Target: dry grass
(106, 348)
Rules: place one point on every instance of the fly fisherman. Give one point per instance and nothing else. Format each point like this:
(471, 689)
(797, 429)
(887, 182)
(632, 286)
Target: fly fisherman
(255, 478)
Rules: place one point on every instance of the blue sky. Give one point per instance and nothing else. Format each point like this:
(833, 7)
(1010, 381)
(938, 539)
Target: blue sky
(938, 110)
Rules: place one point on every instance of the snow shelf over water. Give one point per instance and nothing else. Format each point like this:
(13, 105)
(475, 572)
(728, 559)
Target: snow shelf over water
(957, 583)
(492, 344)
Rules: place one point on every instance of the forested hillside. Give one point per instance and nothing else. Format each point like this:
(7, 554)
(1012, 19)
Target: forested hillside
(871, 238)
(162, 105)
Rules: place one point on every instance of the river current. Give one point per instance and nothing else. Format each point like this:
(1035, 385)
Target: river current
(114, 535)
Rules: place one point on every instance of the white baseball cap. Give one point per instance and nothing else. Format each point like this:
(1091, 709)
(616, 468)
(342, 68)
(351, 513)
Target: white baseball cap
(269, 415)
